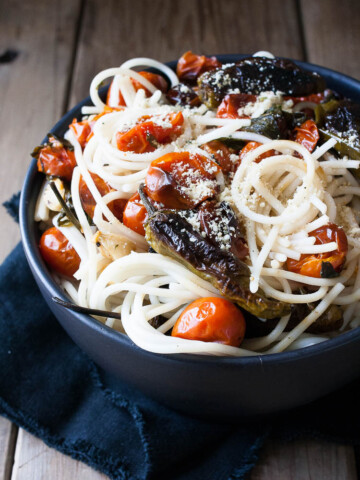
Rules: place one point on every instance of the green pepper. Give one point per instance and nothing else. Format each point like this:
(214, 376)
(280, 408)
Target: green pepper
(275, 123)
(254, 75)
(340, 120)
(172, 235)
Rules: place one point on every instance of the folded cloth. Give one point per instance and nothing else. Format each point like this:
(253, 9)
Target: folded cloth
(52, 389)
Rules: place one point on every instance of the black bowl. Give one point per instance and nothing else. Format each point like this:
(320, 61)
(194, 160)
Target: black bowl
(196, 384)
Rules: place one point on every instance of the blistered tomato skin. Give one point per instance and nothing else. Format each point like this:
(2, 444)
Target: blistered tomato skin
(323, 265)
(307, 135)
(147, 135)
(58, 253)
(190, 66)
(211, 319)
(57, 161)
(82, 130)
(222, 155)
(88, 202)
(135, 214)
(250, 146)
(232, 103)
(170, 176)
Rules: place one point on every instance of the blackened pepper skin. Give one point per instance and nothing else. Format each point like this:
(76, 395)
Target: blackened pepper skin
(170, 234)
(254, 75)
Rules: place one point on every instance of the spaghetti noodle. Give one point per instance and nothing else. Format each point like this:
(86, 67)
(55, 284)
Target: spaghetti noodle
(284, 193)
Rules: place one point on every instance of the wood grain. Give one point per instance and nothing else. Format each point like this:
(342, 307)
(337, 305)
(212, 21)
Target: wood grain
(164, 30)
(8, 433)
(305, 460)
(32, 90)
(332, 38)
(35, 461)
(112, 31)
(332, 34)
(32, 87)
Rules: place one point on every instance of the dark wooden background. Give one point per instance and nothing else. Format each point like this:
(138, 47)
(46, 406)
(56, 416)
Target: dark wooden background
(61, 45)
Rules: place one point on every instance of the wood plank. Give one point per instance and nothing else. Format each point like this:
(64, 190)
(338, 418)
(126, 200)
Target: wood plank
(8, 434)
(35, 461)
(164, 30)
(332, 34)
(305, 460)
(331, 37)
(32, 87)
(32, 90)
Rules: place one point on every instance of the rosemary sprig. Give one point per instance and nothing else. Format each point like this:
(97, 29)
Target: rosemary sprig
(145, 200)
(88, 311)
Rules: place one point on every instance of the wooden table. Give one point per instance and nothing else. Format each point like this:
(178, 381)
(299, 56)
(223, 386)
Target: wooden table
(61, 46)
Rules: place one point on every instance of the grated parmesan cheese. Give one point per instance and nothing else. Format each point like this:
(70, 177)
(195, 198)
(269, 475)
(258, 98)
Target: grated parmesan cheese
(265, 101)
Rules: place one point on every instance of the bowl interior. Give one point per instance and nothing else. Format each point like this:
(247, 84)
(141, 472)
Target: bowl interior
(30, 237)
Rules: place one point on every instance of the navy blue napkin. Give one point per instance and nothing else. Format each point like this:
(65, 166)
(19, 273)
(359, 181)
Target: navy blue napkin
(52, 389)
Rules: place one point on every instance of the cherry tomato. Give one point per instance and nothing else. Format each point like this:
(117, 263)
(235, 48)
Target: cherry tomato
(146, 136)
(190, 66)
(56, 160)
(157, 80)
(231, 104)
(83, 131)
(172, 178)
(307, 135)
(222, 155)
(211, 319)
(88, 202)
(323, 264)
(136, 140)
(250, 146)
(135, 214)
(58, 253)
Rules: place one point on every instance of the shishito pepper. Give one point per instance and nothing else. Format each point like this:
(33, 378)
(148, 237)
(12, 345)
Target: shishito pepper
(275, 123)
(254, 75)
(170, 234)
(340, 120)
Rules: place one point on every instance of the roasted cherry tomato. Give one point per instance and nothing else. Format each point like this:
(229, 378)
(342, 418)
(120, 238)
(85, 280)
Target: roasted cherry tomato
(150, 133)
(190, 66)
(83, 131)
(307, 135)
(136, 140)
(88, 202)
(135, 214)
(250, 146)
(229, 107)
(323, 265)
(223, 155)
(181, 180)
(58, 253)
(157, 80)
(211, 319)
(56, 160)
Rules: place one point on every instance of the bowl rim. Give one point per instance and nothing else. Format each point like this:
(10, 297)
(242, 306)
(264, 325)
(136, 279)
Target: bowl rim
(40, 270)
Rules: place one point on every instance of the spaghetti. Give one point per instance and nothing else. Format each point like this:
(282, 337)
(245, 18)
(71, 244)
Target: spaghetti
(295, 202)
